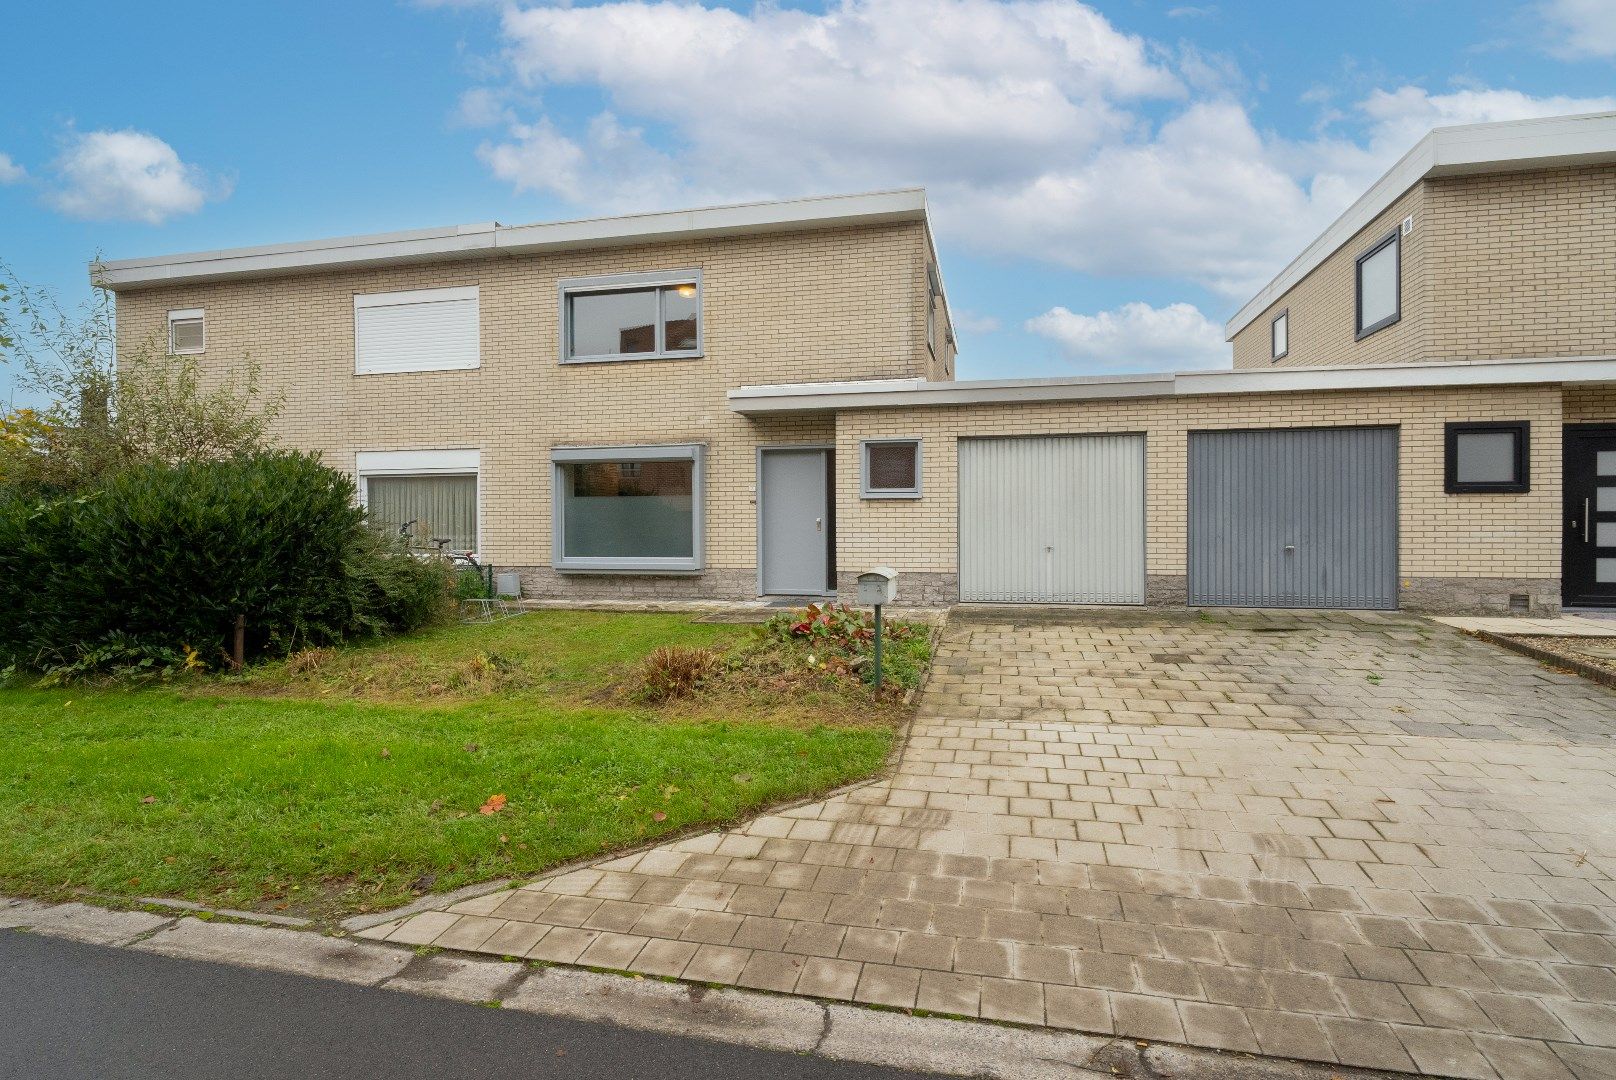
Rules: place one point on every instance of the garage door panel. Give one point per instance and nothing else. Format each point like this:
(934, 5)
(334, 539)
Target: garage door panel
(1053, 519)
(1294, 518)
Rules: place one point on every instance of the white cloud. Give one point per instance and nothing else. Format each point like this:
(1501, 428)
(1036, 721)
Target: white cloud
(1039, 129)
(1581, 29)
(1136, 337)
(970, 322)
(128, 176)
(10, 171)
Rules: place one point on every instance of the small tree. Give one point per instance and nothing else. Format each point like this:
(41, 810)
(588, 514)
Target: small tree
(108, 410)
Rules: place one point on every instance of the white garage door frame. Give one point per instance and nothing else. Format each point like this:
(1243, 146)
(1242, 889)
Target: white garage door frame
(1052, 519)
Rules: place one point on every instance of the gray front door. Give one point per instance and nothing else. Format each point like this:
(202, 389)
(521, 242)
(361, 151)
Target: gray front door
(794, 526)
(1293, 518)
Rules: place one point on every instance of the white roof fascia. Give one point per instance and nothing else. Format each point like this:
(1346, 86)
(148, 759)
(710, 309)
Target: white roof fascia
(1508, 146)
(891, 393)
(489, 239)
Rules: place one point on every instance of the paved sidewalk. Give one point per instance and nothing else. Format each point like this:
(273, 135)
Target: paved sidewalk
(1364, 839)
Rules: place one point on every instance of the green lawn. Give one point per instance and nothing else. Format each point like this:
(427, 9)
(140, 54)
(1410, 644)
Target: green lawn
(352, 779)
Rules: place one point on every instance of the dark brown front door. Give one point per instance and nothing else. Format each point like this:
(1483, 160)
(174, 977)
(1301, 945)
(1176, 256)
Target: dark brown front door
(1589, 560)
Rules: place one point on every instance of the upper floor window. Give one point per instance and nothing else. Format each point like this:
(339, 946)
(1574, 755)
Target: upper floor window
(187, 332)
(1380, 289)
(418, 330)
(934, 292)
(649, 316)
(1279, 335)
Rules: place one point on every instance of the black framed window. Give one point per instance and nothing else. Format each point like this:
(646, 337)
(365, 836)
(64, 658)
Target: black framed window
(1380, 286)
(1487, 458)
(1279, 335)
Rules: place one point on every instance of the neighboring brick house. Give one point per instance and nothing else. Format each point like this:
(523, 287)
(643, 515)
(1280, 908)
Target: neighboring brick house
(1423, 433)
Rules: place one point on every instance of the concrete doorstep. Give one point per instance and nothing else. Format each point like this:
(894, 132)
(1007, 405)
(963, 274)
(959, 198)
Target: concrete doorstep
(764, 1021)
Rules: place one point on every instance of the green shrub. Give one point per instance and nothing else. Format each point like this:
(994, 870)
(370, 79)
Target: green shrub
(161, 559)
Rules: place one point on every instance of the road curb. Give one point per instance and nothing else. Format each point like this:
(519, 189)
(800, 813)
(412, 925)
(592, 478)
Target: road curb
(790, 1024)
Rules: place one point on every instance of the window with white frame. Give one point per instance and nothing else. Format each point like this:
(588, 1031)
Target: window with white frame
(1279, 335)
(651, 316)
(1380, 288)
(417, 330)
(429, 497)
(187, 332)
(890, 469)
(628, 508)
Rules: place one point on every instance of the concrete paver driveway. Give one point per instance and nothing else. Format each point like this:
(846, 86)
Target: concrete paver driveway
(1364, 839)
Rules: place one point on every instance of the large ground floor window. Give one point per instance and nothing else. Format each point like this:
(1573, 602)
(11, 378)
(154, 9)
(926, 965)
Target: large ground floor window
(628, 508)
(428, 496)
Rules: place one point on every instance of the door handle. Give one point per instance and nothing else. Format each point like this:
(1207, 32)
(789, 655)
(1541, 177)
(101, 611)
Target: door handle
(1585, 521)
(819, 524)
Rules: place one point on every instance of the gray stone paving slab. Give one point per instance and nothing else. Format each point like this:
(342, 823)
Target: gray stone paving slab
(1354, 838)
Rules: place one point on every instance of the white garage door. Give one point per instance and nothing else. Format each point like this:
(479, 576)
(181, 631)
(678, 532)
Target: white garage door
(1056, 519)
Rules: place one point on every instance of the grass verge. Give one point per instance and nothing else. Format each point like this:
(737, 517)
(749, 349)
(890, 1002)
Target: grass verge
(354, 780)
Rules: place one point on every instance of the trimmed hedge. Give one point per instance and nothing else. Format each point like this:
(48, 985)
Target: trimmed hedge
(162, 559)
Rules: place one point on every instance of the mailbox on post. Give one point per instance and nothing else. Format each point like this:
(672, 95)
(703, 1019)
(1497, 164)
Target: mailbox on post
(877, 588)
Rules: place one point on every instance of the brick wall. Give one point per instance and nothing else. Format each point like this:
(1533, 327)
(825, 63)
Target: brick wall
(783, 307)
(1524, 264)
(1323, 305)
(1504, 266)
(1442, 536)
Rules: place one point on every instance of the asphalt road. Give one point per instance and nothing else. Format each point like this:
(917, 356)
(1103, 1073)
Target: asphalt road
(82, 1011)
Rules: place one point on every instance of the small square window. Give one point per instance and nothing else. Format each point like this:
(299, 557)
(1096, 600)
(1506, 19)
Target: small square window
(1280, 335)
(891, 469)
(187, 332)
(1484, 458)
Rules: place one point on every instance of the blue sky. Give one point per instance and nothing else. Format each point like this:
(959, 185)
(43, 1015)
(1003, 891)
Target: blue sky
(1108, 181)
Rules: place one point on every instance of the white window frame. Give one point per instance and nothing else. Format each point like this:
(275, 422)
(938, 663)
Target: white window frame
(186, 315)
(369, 463)
(654, 279)
(868, 492)
(562, 456)
(417, 296)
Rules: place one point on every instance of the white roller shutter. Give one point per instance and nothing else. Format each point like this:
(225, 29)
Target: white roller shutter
(1053, 519)
(419, 330)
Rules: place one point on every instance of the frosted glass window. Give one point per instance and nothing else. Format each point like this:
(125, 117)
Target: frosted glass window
(1377, 288)
(1605, 534)
(1605, 500)
(1605, 462)
(1605, 570)
(1486, 457)
(1282, 335)
(629, 510)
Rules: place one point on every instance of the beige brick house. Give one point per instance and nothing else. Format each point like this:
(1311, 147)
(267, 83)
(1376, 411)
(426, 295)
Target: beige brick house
(760, 400)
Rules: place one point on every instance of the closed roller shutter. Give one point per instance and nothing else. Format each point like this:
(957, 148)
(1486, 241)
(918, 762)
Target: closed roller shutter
(1297, 518)
(1054, 519)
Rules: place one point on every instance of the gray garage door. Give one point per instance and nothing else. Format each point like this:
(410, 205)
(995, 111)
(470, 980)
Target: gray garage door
(1301, 518)
(1054, 519)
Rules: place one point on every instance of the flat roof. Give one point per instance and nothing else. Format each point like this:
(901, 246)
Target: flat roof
(890, 393)
(1467, 149)
(490, 239)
